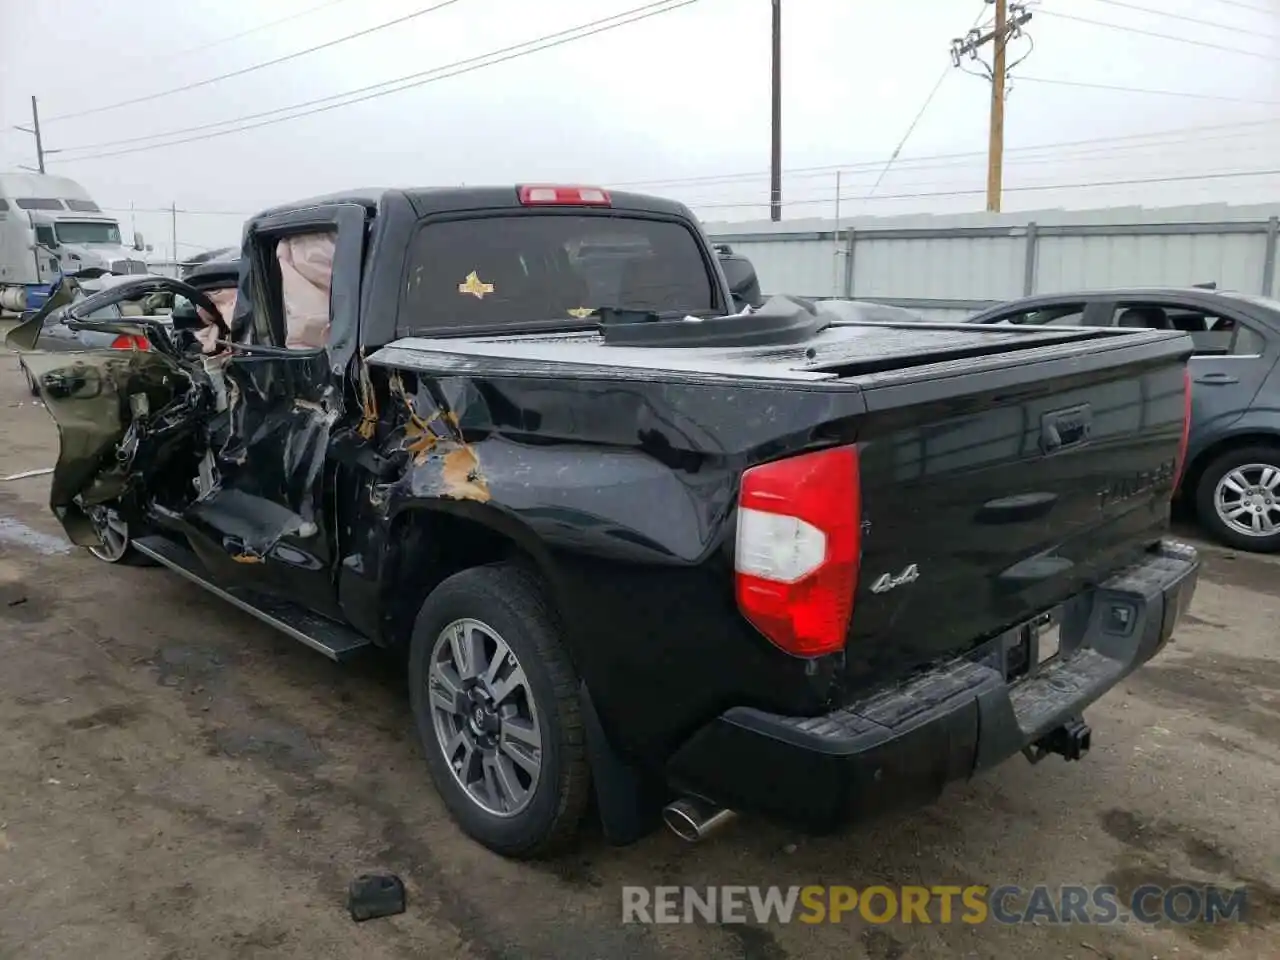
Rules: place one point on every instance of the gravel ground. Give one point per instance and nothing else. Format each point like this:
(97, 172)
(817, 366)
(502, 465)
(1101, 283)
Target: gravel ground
(177, 780)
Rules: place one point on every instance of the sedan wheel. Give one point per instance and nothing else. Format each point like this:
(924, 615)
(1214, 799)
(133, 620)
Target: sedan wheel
(1238, 499)
(1246, 499)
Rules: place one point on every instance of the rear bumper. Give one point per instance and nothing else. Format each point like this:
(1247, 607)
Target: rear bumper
(900, 747)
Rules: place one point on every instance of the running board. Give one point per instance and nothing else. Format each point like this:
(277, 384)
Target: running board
(319, 633)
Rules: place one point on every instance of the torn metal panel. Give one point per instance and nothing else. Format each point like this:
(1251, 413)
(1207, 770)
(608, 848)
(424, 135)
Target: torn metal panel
(443, 463)
(368, 400)
(270, 454)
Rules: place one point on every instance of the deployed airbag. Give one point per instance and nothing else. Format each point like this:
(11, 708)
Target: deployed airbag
(306, 271)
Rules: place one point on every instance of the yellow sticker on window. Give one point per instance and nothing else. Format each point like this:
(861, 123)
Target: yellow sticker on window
(475, 286)
(581, 313)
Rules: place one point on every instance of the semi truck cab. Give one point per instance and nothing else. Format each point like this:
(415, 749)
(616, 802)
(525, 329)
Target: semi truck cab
(49, 227)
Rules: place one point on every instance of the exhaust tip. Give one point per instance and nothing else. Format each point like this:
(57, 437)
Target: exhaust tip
(681, 822)
(692, 820)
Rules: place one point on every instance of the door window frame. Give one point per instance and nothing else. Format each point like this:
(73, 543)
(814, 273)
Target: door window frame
(348, 220)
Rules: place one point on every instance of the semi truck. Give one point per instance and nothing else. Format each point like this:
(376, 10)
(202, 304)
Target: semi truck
(51, 227)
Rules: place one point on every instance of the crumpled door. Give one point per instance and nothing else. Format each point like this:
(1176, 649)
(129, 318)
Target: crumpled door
(115, 409)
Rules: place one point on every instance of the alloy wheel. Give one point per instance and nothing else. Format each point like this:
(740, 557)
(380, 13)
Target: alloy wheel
(114, 533)
(485, 717)
(1247, 499)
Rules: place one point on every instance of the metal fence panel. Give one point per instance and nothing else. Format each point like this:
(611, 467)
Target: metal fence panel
(1071, 263)
(937, 268)
(948, 267)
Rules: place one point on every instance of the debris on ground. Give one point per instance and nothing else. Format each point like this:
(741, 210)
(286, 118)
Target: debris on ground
(373, 895)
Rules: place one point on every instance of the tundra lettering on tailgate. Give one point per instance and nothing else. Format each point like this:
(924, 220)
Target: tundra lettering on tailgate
(1129, 485)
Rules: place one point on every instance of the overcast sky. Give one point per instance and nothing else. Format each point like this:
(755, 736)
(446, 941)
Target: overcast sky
(679, 96)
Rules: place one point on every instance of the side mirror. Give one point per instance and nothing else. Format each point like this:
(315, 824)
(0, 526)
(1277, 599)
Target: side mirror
(744, 285)
(138, 242)
(77, 382)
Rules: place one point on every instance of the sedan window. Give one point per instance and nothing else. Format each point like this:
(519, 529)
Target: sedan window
(1060, 315)
(1214, 335)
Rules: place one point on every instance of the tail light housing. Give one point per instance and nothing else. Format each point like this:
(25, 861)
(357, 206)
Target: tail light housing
(798, 549)
(1180, 466)
(130, 341)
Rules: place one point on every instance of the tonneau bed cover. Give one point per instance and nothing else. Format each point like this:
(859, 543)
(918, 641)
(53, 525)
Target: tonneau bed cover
(872, 354)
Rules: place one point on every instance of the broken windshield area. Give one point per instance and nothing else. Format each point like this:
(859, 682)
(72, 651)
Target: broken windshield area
(87, 232)
(491, 271)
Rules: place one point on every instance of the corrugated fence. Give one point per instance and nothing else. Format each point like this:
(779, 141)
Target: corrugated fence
(948, 267)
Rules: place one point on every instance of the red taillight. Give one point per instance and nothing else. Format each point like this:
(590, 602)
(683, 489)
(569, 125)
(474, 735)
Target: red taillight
(798, 549)
(1181, 465)
(129, 341)
(534, 196)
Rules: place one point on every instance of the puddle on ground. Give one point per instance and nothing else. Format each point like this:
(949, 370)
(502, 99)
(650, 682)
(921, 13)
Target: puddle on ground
(18, 533)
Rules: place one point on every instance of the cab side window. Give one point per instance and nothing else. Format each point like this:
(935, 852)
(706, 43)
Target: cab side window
(45, 237)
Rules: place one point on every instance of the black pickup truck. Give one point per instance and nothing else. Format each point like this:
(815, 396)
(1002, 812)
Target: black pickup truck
(638, 544)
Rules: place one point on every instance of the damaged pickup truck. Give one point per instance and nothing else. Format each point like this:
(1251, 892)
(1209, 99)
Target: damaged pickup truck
(637, 545)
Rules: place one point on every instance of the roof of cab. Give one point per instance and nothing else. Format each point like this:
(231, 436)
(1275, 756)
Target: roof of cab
(428, 200)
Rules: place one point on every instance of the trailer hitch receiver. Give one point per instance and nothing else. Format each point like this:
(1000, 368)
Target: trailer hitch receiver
(1069, 741)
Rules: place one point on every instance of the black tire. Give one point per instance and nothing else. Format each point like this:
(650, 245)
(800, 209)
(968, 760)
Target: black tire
(1206, 492)
(512, 602)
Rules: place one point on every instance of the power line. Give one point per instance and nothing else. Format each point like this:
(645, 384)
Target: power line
(1195, 132)
(965, 171)
(924, 107)
(1247, 31)
(866, 169)
(1045, 186)
(168, 210)
(1162, 93)
(213, 125)
(203, 47)
(443, 72)
(259, 66)
(1245, 6)
(1160, 36)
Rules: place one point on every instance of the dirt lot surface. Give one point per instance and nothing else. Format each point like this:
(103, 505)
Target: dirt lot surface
(177, 780)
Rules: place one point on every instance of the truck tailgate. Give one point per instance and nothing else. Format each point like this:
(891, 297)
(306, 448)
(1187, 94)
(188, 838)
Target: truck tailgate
(995, 487)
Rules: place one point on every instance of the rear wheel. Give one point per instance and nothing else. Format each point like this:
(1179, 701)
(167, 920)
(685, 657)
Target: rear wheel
(1238, 498)
(495, 700)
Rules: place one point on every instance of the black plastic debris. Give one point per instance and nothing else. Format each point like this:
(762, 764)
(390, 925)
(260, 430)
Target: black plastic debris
(373, 895)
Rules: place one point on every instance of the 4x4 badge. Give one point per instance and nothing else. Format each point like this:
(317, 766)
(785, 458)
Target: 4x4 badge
(887, 581)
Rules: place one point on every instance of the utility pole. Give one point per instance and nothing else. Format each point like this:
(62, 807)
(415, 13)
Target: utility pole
(775, 170)
(995, 128)
(173, 213)
(1010, 19)
(35, 130)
